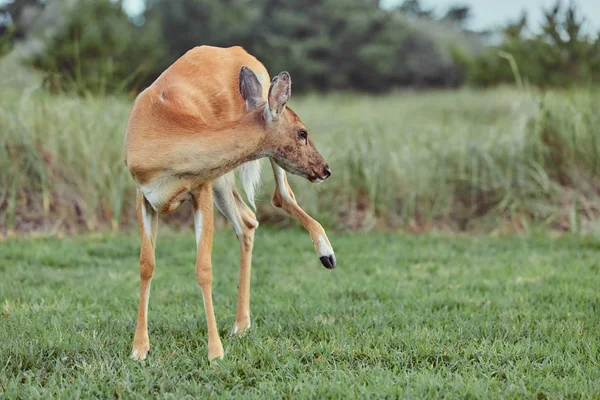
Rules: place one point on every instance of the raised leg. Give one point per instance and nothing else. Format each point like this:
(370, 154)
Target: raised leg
(244, 223)
(284, 198)
(148, 221)
(204, 224)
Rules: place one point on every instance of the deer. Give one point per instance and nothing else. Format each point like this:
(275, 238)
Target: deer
(213, 112)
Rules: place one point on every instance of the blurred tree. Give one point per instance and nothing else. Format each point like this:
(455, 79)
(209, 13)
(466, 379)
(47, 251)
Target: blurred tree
(16, 21)
(414, 8)
(188, 23)
(325, 44)
(99, 50)
(458, 14)
(15, 16)
(560, 55)
(514, 30)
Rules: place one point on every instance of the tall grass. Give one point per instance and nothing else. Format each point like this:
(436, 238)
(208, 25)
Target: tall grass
(458, 160)
(450, 158)
(61, 162)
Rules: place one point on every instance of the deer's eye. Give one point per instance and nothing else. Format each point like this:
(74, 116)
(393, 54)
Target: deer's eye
(303, 135)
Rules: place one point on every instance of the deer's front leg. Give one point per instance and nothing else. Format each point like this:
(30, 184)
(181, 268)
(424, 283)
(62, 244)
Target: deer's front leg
(204, 224)
(284, 198)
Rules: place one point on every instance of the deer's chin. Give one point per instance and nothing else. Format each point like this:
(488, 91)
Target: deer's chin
(296, 171)
(311, 177)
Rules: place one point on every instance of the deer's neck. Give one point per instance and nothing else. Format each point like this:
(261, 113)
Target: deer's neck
(216, 151)
(178, 163)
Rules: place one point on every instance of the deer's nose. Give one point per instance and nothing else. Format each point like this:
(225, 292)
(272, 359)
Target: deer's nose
(326, 172)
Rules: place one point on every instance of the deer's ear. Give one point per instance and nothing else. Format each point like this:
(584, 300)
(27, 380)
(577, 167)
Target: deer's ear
(250, 88)
(279, 94)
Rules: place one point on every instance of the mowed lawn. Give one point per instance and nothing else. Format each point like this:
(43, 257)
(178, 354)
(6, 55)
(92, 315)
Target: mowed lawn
(402, 316)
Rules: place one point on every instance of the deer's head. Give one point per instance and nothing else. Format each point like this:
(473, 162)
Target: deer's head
(286, 136)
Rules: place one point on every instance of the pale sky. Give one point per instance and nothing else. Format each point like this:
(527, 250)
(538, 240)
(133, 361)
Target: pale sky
(486, 13)
(494, 13)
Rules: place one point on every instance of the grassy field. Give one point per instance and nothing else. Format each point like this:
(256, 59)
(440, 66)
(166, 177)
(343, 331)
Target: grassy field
(409, 316)
(460, 160)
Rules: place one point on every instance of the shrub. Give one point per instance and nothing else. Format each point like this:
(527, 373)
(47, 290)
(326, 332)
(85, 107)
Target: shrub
(324, 44)
(99, 50)
(561, 55)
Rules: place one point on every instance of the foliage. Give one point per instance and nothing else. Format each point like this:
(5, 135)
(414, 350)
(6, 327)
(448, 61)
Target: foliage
(5, 42)
(561, 55)
(14, 21)
(459, 14)
(468, 160)
(325, 44)
(100, 50)
(401, 317)
(414, 8)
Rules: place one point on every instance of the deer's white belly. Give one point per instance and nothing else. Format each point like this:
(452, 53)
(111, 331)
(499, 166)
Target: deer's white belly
(166, 195)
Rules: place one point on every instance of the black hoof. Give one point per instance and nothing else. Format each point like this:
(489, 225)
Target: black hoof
(328, 261)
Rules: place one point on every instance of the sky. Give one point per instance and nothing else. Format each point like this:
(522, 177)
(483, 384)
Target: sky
(486, 13)
(494, 13)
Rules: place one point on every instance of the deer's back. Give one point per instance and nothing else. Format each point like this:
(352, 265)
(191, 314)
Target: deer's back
(200, 90)
(205, 81)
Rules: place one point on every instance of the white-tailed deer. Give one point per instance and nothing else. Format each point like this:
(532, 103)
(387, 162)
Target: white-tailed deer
(210, 112)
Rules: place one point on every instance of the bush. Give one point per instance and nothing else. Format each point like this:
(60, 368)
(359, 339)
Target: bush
(100, 50)
(325, 44)
(5, 43)
(561, 55)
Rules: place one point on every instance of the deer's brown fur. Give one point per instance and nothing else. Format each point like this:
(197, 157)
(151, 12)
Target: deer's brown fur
(210, 112)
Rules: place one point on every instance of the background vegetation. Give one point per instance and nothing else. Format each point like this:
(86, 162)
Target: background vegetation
(494, 159)
(326, 44)
(497, 159)
(514, 146)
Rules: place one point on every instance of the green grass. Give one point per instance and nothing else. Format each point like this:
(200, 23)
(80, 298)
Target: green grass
(460, 160)
(408, 316)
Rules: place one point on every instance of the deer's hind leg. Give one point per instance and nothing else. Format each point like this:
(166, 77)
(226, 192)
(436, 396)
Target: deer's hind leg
(202, 200)
(244, 222)
(148, 221)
